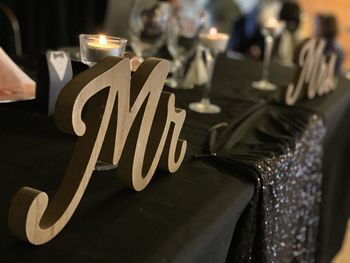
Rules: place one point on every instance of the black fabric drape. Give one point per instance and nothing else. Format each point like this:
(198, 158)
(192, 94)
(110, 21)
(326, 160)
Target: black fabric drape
(281, 152)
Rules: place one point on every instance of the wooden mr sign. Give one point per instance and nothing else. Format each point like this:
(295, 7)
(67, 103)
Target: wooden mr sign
(316, 72)
(119, 119)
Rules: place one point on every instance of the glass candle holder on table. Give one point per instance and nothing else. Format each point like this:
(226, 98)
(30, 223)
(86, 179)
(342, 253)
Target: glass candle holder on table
(270, 30)
(213, 43)
(93, 48)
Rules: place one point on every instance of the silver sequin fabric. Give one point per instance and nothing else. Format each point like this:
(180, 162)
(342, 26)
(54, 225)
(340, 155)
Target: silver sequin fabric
(291, 197)
(282, 154)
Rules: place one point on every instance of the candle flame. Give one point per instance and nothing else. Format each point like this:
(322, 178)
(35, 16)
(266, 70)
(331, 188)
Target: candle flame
(271, 22)
(213, 31)
(102, 40)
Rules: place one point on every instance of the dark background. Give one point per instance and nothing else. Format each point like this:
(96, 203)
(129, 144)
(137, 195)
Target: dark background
(50, 24)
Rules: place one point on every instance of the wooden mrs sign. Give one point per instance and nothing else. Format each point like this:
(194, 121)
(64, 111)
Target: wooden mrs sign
(120, 119)
(316, 72)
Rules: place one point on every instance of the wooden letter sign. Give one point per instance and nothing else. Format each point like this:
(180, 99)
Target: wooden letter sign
(119, 119)
(316, 72)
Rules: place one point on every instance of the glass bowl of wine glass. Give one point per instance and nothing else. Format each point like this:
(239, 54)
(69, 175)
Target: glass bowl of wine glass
(148, 27)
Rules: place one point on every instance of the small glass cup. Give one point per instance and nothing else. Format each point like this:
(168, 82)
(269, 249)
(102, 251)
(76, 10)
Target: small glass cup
(93, 48)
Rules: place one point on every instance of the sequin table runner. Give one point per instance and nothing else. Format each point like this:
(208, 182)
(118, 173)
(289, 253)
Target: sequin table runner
(282, 155)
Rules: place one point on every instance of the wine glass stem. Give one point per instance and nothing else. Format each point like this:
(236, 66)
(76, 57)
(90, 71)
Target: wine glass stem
(179, 69)
(210, 68)
(267, 57)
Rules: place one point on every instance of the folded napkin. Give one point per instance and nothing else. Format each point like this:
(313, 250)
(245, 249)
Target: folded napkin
(197, 72)
(14, 83)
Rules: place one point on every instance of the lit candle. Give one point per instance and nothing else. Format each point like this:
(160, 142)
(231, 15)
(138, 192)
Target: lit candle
(214, 40)
(94, 48)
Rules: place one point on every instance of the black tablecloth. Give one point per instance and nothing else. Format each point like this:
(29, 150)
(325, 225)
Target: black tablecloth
(186, 217)
(189, 215)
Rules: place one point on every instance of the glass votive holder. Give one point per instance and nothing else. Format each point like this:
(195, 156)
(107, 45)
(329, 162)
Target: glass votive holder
(93, 48)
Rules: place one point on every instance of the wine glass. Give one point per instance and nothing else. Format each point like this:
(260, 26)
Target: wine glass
(148, 27)
(270, 30)
(182, 41)
(212, 44)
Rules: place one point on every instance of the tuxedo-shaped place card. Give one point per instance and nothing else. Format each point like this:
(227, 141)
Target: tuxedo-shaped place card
(60, 72)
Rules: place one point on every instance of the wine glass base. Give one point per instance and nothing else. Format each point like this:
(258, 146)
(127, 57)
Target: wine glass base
(102, 166)
(264, 85)
(177, 84)
(88, 62)
(204, 106)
